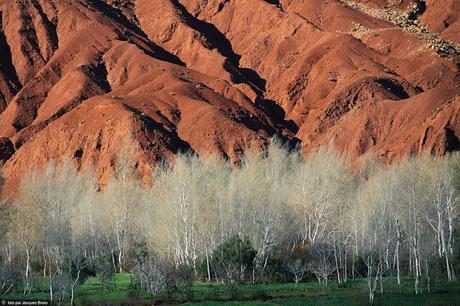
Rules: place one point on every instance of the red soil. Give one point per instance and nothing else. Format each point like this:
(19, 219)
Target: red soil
(222, 77)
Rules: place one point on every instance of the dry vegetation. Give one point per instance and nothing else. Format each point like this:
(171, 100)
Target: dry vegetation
(275, 217)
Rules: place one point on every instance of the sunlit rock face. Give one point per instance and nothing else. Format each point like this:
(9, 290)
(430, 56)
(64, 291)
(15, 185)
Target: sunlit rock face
(221, 77)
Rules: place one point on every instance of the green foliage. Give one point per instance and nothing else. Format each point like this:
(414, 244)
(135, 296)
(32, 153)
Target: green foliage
(105, 271)
(276, 270)
(201, 268)
(185, 281)
(308, 293)
(138, 253)
(178, 281)
(234, 252)
(232, 261)
(61, 288)
(135, 288)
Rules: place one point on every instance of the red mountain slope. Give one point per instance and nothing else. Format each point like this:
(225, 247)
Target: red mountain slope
(375, 77)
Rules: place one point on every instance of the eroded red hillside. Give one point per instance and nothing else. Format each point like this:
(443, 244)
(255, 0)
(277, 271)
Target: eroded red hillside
(378, 77)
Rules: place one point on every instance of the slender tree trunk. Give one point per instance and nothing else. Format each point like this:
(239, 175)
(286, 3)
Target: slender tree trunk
(446, 256)
(120, 258)
(353, 267)
(369, 282)
(73, 287)
(8, 290)
(416, 271)
(410, 262)
(345, 274)
(51, 286)
(26, 287)
(337, 264)
(44, 267)
(114, 263)
(449, 273)
(398, 268)
(208, 266)
(428, 279)
(10, 254)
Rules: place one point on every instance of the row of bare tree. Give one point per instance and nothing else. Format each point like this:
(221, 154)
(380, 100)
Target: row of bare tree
(316, 212)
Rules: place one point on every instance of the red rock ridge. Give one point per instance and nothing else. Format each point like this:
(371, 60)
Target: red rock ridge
(375, 77)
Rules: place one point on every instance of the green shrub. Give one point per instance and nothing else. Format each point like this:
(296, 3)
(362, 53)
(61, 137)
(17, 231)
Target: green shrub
(105, 271)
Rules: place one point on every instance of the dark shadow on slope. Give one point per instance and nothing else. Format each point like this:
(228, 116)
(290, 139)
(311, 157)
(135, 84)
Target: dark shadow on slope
(276, 3)
(153, 49)
(50, 27)
(394, 87)
(98, 73)
(277, 114)
(452, 141)
(6, 63)
(457, 75)
(175, 143)
(419, 10)
(242, 116)
(217, 40)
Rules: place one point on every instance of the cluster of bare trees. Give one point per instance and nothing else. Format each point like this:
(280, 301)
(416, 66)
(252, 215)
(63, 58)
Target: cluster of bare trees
(314, 214)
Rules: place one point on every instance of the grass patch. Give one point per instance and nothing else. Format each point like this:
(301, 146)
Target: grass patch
(309, 293)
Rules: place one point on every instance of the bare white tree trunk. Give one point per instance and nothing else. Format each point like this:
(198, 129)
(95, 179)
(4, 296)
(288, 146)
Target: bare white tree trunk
(27, 286)
(398, 268)
(73, 288)
(337, 264)
(51, 285)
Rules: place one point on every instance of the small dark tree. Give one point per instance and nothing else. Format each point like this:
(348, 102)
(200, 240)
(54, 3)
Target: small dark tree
(185, 281)
(178, 281)
(138, 254)
(10, 277)
(276, 270)
(148, 272)
(170, 273)
(231, 260)
(105, 271)
(296, 262)
(61, 287)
